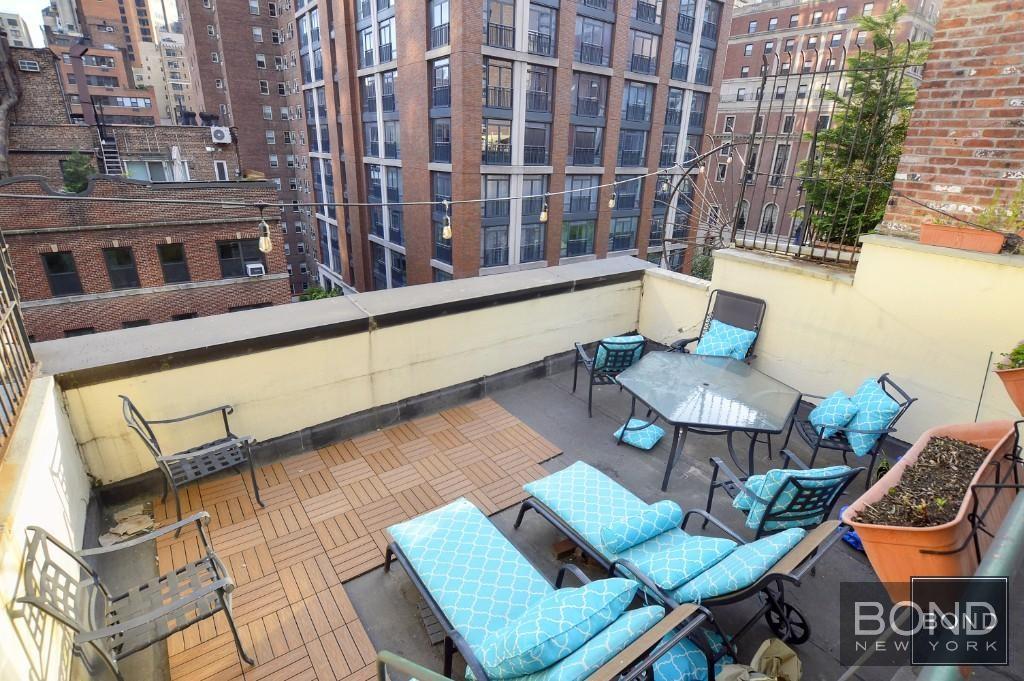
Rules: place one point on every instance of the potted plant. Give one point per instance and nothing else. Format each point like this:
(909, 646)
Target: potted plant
(999, 227)
(916, 520)
(1011, 373)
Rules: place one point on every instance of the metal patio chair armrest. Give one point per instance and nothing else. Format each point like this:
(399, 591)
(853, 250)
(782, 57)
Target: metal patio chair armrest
(734, 479)
(183, 456)
(153, 615)
(226, 408)
(718, 523)
(586, 359)
(574, 571)
(680, 345)
(794, 459)
(629, 570)
(201, 519)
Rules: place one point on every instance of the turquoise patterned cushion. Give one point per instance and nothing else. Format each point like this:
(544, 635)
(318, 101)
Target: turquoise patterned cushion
(767, 485)
(674, 557)
(723, 340)
(555, 627)
(634, 529)
(602, 648)
(686, 662)
(875, 410)
(644, 438)
(480, 581)
(834, 412)
(618, 342)
(739, 569)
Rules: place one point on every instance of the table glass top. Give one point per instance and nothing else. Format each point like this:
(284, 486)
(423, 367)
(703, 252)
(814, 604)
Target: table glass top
(714, 392)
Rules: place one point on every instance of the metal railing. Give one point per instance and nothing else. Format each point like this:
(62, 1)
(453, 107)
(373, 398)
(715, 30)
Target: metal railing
(395, 232)
(626, 201)
(638, 113)
(646, 11)
(384, 4)
(622, 241)
(581, 204)
(538, 101)
(439, 35)
(673, 117)
(387, 103)
(497, 154)
(642, 63)
(591, 54)
(585, 156)
(667, 158)
(540, 43)
(442, 152)
(366, 58)
(394, 195)
(631, 157)
(498, 97)
(443, 250)
(370, 103)
(597, 4)
(387, 52)
(685, 23)
(391, 150)
(588, 106)
(532, 207)
(441, 95)
(709, 31)
(496, 208)
(500, 35)
(363, 9)
(17, 363)
(702, 76)
(535, 155)
(679, 70)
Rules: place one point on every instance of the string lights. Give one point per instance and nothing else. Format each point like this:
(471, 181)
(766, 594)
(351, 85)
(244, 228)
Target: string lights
(446, 230)
(266, 244)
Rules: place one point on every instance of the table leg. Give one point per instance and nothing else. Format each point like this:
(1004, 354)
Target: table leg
(678, 440)
(632, 411)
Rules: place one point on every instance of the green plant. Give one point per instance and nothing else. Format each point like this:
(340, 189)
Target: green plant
(76, 170)
(1003, 216)
(1014, 358)
(317, 293)
(703, 265)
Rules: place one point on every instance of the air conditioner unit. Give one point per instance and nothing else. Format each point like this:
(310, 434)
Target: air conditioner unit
(255, 269)
(220, 134)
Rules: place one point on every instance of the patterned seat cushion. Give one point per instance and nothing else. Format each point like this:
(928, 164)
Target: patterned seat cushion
(723, 340)
(686, 662)
(554, 627)
(618, 343)
(875, 409)
(636, 529)
(741, 568)
(834, 412)
(767, 486)
(479, 580)
(644, 438)
(675, 557)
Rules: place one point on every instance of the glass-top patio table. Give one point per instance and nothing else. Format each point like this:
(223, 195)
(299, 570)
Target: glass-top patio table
(711, 395)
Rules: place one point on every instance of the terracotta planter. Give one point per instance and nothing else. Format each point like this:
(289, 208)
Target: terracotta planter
(963, 238)
(896, 552)
(1013, 381)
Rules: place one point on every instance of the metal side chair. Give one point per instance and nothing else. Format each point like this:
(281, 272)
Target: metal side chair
(779, 500)
(181, 468)
(116, 626)
(611, 357)
(734, 309)
(813, 437)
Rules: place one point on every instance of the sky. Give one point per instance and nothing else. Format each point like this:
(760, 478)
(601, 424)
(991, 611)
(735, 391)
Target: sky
(31, 12)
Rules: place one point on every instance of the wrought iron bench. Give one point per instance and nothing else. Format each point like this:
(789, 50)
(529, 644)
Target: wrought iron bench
(116, 626)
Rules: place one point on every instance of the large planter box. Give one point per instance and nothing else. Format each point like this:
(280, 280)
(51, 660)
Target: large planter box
(896, 552)
(962, 238)
(1013, 381)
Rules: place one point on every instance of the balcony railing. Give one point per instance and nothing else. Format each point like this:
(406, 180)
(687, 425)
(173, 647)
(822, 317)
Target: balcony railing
(585, 156)
(538, 101)
(631, 157)
(395, 232)
(637, 113)
(441, 95)
(500, 35)
(366, 58)
(626, 201)
(439, 36)
(581, 246)
(588, 106)
(535, 155)
(498, 97)
(673, 117)
(696, 119)
(531, 252)
(443, 250)
(667, 158)
(370, 104)
(679, 70)
(496, 209)
(383, 4)
(581, 204)
(497, 154)
(495, 256)
(442, 152)
(377, 228)
(685, 24)
(372, 148)
(387, 103)
(363, 10)
(646, 11)
(592, 54)
(391, 150)
(642, 63)
(622, 241)
(532, 208)
(709, 31)
(386, 52)
(597, 4)
(540, 43)
(703, 76)
(394, 195)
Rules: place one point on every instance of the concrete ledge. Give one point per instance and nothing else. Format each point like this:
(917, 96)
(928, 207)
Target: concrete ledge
(909, 244)
(779, 262)
(106, 295)
(676, 277)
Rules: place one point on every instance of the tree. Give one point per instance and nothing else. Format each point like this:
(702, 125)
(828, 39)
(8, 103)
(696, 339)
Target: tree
(77, 170)
(317, 293)
(849, 172)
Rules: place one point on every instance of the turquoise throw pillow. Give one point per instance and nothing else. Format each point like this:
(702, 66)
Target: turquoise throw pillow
(652, 521)
(875, 409)
(767, 486)
(618, 343)
(722, 340)
(643, 438)
(834, 412)
(554, 627)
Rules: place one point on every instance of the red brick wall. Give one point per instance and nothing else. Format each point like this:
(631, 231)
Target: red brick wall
(967, 132)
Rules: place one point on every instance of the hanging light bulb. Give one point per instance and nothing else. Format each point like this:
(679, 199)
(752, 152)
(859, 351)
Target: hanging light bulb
(728, 160)
(544, 212)
(265, 244)
(446, 231)
(700, 169)
(611, 200)
(664, 185)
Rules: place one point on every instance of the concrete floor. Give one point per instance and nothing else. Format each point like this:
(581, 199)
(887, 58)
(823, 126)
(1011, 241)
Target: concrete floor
(386, 602)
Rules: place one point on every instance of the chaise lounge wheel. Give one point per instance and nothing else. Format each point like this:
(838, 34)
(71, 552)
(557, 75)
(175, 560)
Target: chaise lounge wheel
(788, 623)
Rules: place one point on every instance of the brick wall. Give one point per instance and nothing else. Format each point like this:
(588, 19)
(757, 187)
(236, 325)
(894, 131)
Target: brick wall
(41, 97)
(966, 136)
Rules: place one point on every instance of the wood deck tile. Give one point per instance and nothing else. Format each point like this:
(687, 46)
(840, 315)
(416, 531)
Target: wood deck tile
(295, 547)
(365, 491)
(339, 453)
(381, 514)
(385, 460)
(458, 416)
(464, 454)
(276, 496)
(417, 449)
(281, 522)
(324, 506)
(340, 529)
(293, 666)
(308, 578)
(371, 442)
(237, 537)
(249, 564)
(451, 486)
(403, 477)
(303, 464)
(419, 499)
(431, 424)
(191, 502)
(230, 510)
(447, 438)
(356, 558)
(401, 433)
(482, 473)
(222, 487)
(434, 466)
(270, 475)
(213, 659)
(258, 598)
(351, 471)
(476, 428)
(314, 484)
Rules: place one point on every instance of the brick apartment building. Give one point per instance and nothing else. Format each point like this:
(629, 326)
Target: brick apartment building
(806, 43)
(435, 99)
(86, 266)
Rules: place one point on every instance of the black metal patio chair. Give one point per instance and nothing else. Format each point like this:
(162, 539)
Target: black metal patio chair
(734, 309)
(181, 468)
(116, 625)
(610, 359)
(800, 501)
(813, 437)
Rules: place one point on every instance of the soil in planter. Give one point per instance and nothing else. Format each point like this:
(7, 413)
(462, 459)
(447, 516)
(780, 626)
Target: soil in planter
(932, 489)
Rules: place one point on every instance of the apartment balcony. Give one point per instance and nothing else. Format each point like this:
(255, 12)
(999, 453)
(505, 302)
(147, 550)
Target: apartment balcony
(626, 201)
(538, 101)
(366, 58)
(588, 106)
(580, 204)
(396, 234)
(599, 4)
(535, 155)
(622, 242)
(391, 150)
(497, 154)
(541, 44)
(500, 35)
(439, 36)
(363, 9)
(377, 227)
(384, 4)
(369, 104)
(680, 71)
(591, 54)
(499, 208)
(585, 156)
(641, 63)
(532, 209)
(442, 152)
(702, 76)
(494, 256)
(709, 30)
(441, 96)
(685, 24)
(647, 11)
(498, 97)
(667, 158)
(387, 103)
(638, 113)
(631, 157)
(394, 195)
(673, 117)
(387, 53)
(443, 250)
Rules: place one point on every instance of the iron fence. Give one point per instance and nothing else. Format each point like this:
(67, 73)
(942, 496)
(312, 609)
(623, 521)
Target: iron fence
(814, 167)
(17, 364)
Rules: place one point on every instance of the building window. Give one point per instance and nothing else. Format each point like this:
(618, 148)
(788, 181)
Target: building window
(542, 31)
(748, 50)
(769, 217)
(439, 22)
(257, 34)
(271, 137)
(794, 20)
(816, 17)
(235, 255)
(869, 7)
(261, 61)
(500, 23)
(268, 113)
(769, 46)
(172, 261)
(841, 14)
(588, 94)
(183, 315)
(593, 41)
(773, 23)
(218, 83)
(220, 170)
(494, 245)
(134, 323)
(837, 40)
(121, 268)
(744, 71)
(577, 238)
(254, 7)
(214, 57)
(62, 273)
(787, 123)
(272, 9)
(497, 92)
(497, 141)
(752, 27)
(622, 235)
(720, 172)
(264, 87)
(581, 193)
(84, 331)
(779, 163)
